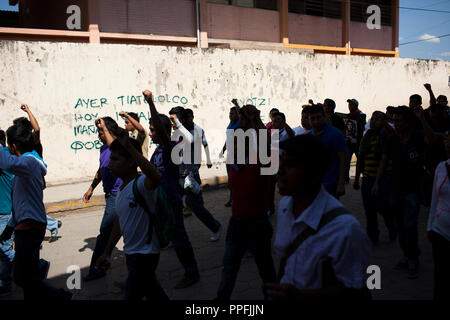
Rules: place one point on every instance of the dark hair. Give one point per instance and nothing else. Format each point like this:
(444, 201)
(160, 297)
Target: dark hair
(188, 112)
(330, 103)
(406, 113)
(23, 122)
(390, 109)
(309, 151)
(116, 147)
(382, 114)
(165, 122)
(111, 125)
(316, 109)
(233, 109)
(21, 134)
(441, 97)
(134, 115)
(306, 110)
(274, 110)
(416, 96)
(2, 137)
(180, 112)
(280, 114)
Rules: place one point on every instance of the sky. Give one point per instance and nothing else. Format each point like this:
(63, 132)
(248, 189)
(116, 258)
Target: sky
(414, 25)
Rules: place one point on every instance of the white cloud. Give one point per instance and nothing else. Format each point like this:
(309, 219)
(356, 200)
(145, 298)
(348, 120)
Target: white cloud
(401, 39)
(445, 54)
(430, 38)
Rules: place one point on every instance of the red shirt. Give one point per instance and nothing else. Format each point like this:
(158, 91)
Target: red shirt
(250, 191)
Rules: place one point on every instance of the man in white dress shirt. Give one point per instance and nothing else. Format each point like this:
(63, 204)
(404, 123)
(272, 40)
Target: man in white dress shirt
(324, 250)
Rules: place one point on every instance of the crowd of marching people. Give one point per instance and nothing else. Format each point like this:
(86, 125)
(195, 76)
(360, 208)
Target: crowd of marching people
(402, 154)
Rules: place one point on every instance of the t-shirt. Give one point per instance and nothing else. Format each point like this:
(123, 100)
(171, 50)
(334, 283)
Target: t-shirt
(337, 122)
(135, 135)
(407, 161)
(299, 130)
(111, 184)
(250, 191)
(372, 145)
(134, 221)
(355, 123)
(6, 180)
(169, 172)
(334, 140)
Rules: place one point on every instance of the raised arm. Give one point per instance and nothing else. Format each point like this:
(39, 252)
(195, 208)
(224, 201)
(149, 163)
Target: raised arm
(159, 128)
(430, 92)
(101, 126)
(141, 131)
(34, 123)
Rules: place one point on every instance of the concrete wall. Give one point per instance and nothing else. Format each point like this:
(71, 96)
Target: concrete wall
(53, 77)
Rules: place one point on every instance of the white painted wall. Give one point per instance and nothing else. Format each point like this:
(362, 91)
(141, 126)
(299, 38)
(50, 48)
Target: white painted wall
(52, 77)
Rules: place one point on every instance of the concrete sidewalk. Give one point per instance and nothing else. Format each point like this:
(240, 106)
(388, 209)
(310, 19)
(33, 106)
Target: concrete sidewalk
(64, 197)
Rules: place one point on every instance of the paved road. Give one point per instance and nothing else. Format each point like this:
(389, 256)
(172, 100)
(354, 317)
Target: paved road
(80, 228)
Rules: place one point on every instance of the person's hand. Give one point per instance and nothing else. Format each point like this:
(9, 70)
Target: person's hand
(123, 114)
(235, 102)
(356, 185)
(147, 95)
(25, 108)
(427, 86)
(374, 190)
(278, 291)
(310, 101)
(87, 196)
(100, 123)
(340, 191)
(6, 235)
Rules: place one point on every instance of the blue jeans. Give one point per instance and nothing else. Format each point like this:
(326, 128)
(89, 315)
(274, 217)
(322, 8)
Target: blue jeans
(6, 255)
(406, 208)
(181, 243)
(105, 230)
(141, 280)
(52, 225)
(195, 202)
(244, 234)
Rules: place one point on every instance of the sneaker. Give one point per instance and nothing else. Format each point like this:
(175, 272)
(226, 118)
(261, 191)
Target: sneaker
(94, 276)
(229, 204)
(5, 291)
(402, 264)
(413, 268)
(59, 224)
(216, 236)
(53, 235)
(44, 267)
(187, 282)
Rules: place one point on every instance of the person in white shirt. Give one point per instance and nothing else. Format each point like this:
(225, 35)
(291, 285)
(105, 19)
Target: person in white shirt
(324, 250)
(141, 245)
(439, 227)
(306, 126)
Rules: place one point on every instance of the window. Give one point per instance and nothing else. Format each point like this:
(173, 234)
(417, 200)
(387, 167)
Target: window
(321, 8)
(261, 4)
(358, 10)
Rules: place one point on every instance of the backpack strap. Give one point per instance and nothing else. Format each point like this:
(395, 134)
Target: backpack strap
(141, 202)
(326, 218)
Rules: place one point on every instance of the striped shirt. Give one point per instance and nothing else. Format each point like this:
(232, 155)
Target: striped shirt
(371, 149)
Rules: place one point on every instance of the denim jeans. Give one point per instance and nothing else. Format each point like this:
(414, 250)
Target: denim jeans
(6, 255)
(406, 208)
(244, 234)
(52, 224)
(141, 280)
(380, 203)
(181, 243)
(195, 202)
(26, 271)
(105, 230)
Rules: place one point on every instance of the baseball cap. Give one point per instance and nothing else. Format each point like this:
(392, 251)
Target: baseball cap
(354, 101)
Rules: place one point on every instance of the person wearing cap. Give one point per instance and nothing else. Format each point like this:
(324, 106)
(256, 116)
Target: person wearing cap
(324, 250)
(355, 122)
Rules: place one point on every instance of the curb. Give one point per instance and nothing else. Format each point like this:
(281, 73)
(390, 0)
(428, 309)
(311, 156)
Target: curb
(76, 204)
